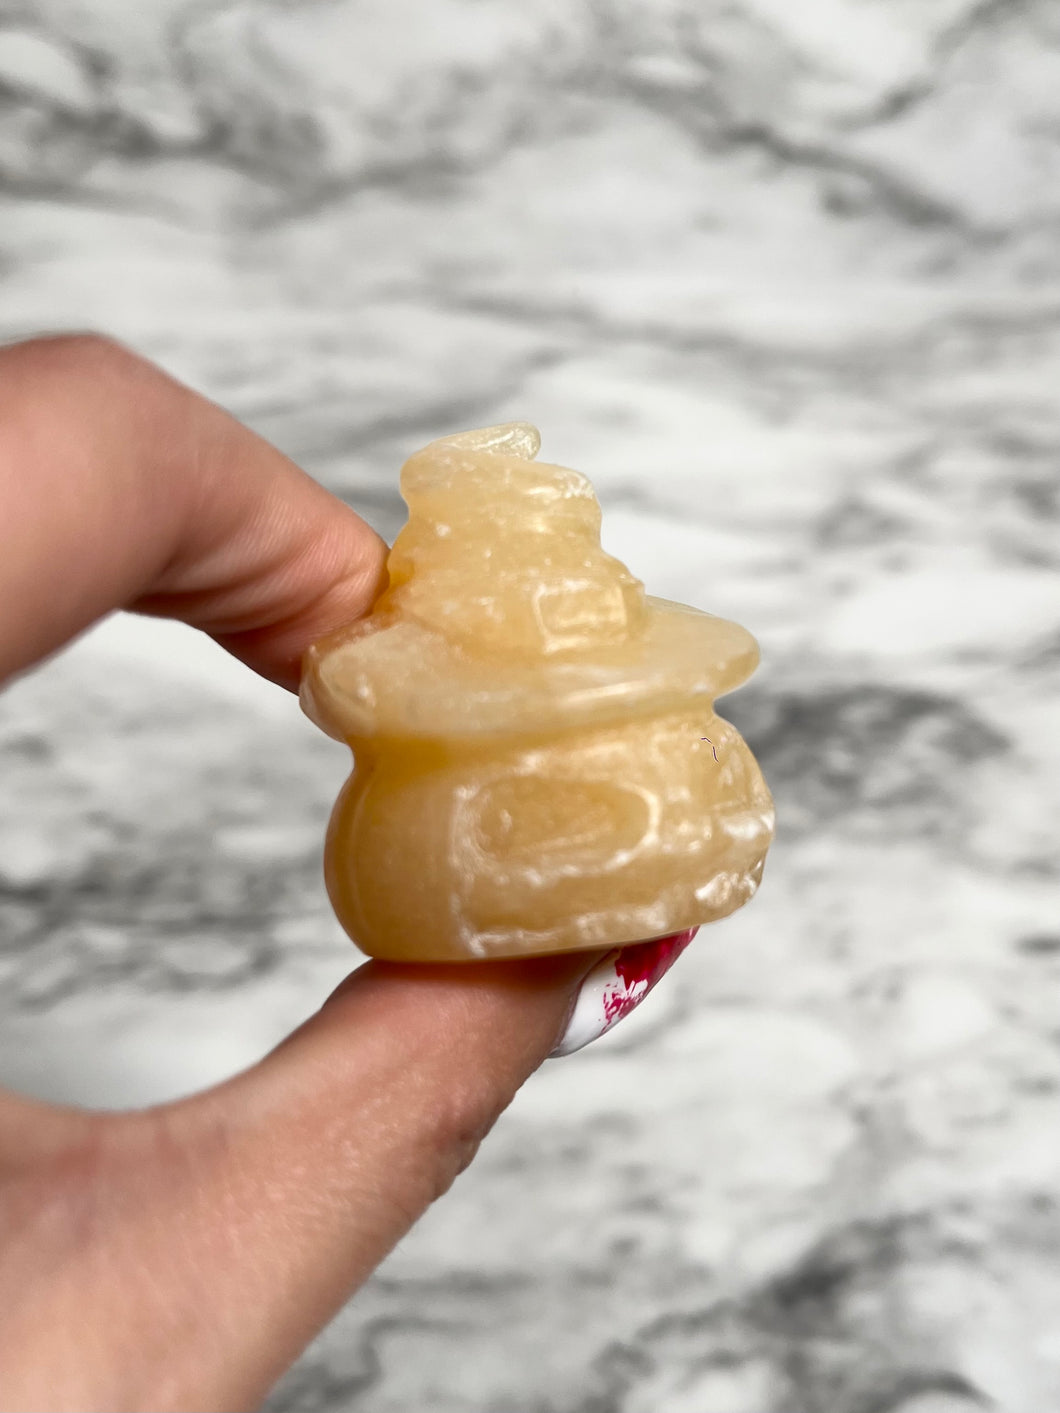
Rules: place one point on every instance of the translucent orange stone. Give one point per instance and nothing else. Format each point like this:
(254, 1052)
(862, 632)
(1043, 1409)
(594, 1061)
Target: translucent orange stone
(537, 762)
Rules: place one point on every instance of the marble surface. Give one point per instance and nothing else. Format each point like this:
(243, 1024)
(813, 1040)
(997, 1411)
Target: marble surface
(784, 280)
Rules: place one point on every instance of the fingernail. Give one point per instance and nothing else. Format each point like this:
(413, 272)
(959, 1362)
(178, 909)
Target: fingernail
(617, 985)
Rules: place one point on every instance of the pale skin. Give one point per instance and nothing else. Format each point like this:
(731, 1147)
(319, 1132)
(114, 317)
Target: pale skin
(181, 1257)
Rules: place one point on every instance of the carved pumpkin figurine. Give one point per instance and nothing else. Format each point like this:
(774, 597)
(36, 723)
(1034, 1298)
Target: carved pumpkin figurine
(538, 766)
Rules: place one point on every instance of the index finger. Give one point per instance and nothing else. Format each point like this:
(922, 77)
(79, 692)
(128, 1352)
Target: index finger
(121, 488)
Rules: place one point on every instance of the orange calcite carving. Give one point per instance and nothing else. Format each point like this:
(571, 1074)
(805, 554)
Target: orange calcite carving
(538, 766)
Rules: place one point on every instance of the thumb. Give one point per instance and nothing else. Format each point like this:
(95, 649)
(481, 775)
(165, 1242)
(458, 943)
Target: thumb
(229, 1227)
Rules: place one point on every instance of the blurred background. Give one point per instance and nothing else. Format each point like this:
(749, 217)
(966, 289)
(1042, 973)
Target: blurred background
(784, 281)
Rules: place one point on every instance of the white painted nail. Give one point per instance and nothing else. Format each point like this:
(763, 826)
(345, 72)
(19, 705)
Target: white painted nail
(617, 985)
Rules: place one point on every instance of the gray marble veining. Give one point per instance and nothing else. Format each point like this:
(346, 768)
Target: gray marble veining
(784, 280)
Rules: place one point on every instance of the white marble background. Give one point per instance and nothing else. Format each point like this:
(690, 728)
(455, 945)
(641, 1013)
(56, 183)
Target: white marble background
(784, 279)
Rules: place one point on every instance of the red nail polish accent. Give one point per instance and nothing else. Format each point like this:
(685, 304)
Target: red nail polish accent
(617, 985)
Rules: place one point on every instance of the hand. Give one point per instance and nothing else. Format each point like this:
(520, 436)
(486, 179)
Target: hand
(182, 1256)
